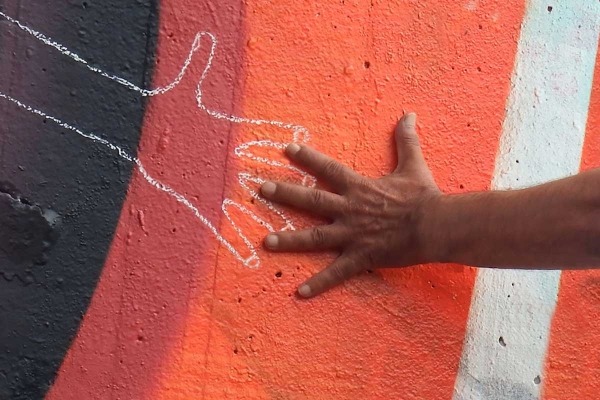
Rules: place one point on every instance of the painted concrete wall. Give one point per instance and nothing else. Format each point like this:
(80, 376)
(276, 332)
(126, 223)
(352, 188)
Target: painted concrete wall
(138, 132)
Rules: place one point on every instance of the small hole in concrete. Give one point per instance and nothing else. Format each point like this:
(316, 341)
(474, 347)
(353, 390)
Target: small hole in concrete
(512, 284)
(367, 64)
(501, 341)
(278, 274)
(369, 271)
(140, 338)
(235, 350)
(480, 26)
(462, 186)
(174, 230)
(549, 9)
(479, 69)
(239, 299)
(537, 380)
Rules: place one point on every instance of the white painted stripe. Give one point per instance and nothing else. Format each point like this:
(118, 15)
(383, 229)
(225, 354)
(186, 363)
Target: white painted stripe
(542, 140)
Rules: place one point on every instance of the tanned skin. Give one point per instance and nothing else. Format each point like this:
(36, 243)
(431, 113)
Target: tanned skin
(404, 219)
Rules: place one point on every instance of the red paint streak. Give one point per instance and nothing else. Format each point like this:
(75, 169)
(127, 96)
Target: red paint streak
(346, 70)
(160, 252)
(573, 360)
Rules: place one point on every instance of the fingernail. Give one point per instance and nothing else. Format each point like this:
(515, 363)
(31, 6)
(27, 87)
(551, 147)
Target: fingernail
(292, 149)
(268, 188)
(410, 119)
(271, 241)
(304, 291)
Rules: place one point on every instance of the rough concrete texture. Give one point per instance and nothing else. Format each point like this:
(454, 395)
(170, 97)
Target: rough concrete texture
(542, 140)
(188, 305)
(43, 299)
(27, 236)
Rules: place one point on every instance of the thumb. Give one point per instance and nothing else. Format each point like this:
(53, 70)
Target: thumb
(407, 142)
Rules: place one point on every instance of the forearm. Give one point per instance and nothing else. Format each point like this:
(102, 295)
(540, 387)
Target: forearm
(555, 225)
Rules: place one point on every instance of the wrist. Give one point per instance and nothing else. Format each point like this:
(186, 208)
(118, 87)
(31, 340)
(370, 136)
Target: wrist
(431, 230)
(462, 228)
(451, 224)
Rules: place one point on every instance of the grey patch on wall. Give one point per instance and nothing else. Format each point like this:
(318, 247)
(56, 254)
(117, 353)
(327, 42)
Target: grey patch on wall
(27, 236)
(499, 389)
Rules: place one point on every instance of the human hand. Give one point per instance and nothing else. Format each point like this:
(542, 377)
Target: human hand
(375, 222)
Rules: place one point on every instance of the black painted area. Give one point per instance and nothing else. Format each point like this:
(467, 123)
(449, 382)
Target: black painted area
(27, 235)
(46, 290)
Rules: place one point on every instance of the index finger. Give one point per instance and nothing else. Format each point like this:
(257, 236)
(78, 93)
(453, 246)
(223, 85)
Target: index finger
(323, 166)
(343, 268)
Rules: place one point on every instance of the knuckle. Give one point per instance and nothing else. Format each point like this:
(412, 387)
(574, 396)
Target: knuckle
(338, 272)
(411, 139)
(318, 236)
(316, 197)
(363, 185)
(332, 168)
(348, 207)
(353, 207)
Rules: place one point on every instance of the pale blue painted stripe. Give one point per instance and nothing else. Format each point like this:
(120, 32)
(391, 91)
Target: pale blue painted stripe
(542, 139)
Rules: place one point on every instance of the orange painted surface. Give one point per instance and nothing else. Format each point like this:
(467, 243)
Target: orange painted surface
(346, 70)
(160, 252)
(573, 360)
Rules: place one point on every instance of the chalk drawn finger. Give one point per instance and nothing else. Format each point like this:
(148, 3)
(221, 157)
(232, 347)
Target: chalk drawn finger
(246, 150)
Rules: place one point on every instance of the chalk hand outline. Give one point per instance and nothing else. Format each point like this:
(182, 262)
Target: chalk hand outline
(244, 150)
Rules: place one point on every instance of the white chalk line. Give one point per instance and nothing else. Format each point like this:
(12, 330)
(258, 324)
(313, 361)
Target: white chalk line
(244, 150)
